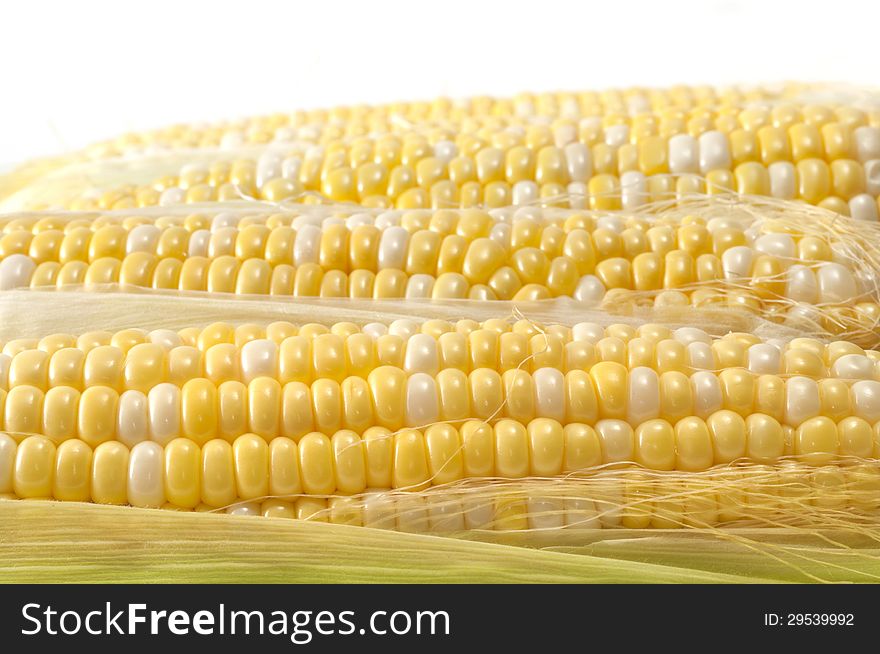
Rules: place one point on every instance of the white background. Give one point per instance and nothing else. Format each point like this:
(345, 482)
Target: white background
(76, 72)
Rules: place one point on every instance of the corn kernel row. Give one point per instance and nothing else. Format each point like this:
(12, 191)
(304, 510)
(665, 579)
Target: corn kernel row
(202, 410)
(133, 359)
(218, 473)
(136, 359)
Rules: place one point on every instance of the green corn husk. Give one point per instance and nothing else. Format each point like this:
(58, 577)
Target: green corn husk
(58, 542)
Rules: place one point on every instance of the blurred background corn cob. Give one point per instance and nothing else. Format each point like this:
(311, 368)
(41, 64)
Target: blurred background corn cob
(611, 150)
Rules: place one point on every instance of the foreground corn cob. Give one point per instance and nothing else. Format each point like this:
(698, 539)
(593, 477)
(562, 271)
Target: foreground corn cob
(345, 423)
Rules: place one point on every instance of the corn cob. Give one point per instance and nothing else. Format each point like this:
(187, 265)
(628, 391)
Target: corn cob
(752, 256)
(532, 403)
(500, 152)
(614, 106)
(836, 167)
(827, 155)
